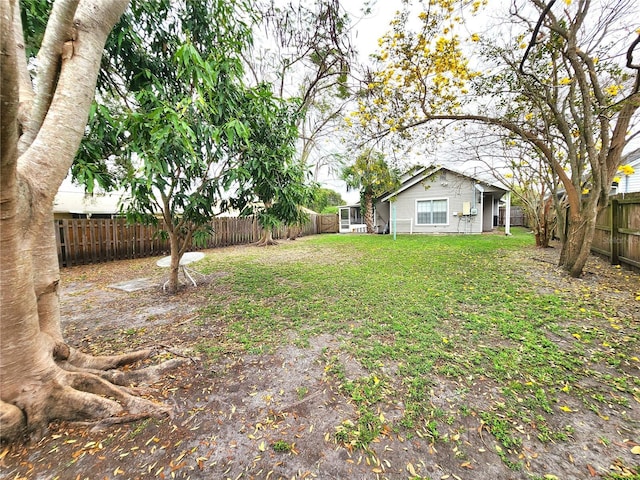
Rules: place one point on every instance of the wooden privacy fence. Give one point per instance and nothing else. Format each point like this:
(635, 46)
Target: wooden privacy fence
(85, 241)
(517, 217)
(617, 233)
(328, 223)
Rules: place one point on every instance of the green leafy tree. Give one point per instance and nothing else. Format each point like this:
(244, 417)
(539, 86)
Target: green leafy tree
(183, 140)
(269, 182)
(170, 94)
(370, 174)
(323, 198)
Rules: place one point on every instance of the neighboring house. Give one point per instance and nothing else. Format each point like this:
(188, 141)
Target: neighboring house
(71, 201)
(629, 183)
(436, 199)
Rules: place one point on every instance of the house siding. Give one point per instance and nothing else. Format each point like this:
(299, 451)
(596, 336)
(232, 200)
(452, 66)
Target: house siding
(631, 183)
(451, 186)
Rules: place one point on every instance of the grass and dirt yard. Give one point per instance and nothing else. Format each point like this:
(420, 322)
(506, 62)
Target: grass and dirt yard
(361, 357)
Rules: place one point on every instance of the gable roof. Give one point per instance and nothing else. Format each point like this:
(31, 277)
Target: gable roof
(422, 173)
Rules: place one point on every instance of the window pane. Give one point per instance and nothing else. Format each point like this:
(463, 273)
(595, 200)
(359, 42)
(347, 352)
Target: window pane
(424, 212)
(439, 211)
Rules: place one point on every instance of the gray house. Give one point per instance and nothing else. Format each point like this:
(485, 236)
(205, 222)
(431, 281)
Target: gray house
(436, 199)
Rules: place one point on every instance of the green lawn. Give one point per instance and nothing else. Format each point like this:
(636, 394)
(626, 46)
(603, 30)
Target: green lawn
(513, 348)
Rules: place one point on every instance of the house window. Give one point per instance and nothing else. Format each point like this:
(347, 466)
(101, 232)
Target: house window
(432, 212)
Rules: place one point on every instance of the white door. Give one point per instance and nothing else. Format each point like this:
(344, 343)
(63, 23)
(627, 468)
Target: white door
(344, 219)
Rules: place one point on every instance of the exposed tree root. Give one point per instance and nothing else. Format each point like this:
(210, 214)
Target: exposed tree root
(143, 376)
(107, 422)
(83, 360)
(12, 421)
(78, 387)
(67, 403)
(93, 384)
(266, 243)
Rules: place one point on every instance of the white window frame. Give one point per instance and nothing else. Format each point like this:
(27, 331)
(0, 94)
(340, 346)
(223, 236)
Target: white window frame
(446, 199)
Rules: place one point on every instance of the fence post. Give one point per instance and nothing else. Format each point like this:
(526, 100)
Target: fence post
(614, 237)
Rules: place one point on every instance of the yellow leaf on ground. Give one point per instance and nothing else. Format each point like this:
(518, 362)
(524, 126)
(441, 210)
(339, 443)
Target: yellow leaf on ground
(564, 408)
(636, 450)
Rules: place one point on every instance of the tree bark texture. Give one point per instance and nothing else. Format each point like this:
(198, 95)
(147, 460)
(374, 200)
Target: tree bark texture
(368, 211)
(576, 248)
(266, 238)
(41, 378)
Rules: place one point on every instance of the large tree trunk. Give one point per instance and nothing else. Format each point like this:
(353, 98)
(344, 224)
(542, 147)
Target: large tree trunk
(578, 239)
(293, 232)
(266, 238)
(174, 268)
(542, 227)
(368, 212)
(41, 378)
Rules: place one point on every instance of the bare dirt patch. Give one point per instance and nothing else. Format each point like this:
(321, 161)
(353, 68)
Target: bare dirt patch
(276, 415)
